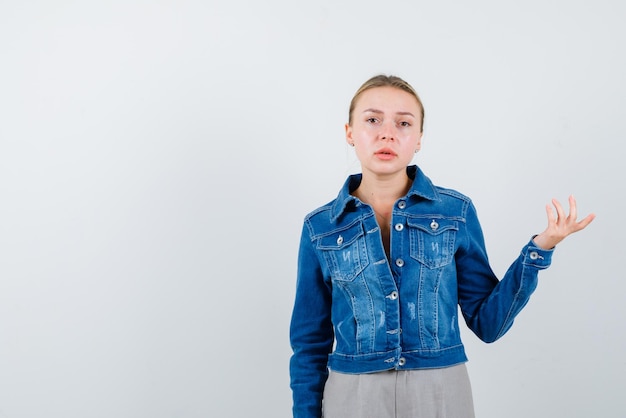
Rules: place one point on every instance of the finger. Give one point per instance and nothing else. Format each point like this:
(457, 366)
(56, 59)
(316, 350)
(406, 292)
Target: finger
(550, 213)
(583, 224)
(573, 212)
(559, 209)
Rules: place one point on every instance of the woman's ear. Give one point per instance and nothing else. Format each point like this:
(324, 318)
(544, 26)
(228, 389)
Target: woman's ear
(418, 146)
(349, 139)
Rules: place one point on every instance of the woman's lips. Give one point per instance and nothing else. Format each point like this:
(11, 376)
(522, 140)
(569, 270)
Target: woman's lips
(385, 154)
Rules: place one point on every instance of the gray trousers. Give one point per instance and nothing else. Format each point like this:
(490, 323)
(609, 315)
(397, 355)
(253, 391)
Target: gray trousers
(431, 393)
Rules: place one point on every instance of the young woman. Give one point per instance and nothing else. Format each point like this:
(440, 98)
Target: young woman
(383, 268)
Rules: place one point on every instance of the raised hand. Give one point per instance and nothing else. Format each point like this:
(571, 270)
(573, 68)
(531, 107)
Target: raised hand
(560, 226)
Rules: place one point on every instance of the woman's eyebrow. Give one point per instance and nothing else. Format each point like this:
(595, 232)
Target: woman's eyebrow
(372, 110)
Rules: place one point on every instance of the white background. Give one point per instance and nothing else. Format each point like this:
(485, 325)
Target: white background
(157, 159)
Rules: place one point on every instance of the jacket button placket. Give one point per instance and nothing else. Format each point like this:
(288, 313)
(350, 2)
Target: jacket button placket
(397, 231)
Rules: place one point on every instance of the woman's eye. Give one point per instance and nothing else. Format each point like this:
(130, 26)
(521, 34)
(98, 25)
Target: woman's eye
(405, 124)
(371, 120)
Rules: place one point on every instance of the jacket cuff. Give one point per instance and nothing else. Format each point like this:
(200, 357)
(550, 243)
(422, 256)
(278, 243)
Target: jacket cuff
(535, 256)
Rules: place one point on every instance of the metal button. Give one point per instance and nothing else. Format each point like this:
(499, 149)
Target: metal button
(434, 225)
(339, 240)
(401, 361)
(402, 204)
(534, 255)
(399, 262)
(393, 295)
(399, 227)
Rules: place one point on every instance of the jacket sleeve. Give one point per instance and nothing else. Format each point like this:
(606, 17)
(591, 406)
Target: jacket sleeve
(311, 333)
(488, 305)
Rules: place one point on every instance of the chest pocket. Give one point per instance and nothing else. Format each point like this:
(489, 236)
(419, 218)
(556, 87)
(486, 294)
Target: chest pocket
(345, 252)
(432, 240)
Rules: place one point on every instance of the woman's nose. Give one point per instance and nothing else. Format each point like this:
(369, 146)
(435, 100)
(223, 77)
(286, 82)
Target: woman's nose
(387, 133)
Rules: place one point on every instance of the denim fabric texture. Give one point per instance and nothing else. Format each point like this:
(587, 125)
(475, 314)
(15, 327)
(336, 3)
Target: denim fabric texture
(356, 311)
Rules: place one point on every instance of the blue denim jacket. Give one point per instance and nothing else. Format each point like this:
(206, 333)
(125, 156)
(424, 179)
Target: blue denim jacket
(358, 312)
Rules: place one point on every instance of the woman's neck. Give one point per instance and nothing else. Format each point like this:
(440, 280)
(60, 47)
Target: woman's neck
(382, 191)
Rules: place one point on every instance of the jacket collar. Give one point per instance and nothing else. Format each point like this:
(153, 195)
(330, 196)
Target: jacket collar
(421, 187)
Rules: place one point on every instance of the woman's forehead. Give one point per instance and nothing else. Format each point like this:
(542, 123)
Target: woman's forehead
(385, 99)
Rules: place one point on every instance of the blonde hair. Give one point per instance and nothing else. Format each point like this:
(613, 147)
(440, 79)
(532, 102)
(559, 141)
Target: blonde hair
(382, 80)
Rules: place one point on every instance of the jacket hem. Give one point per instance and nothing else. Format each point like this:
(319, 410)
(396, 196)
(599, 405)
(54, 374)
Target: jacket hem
(396, 359)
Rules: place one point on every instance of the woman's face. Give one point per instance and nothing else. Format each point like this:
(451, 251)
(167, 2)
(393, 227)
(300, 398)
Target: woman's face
(385, 129)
